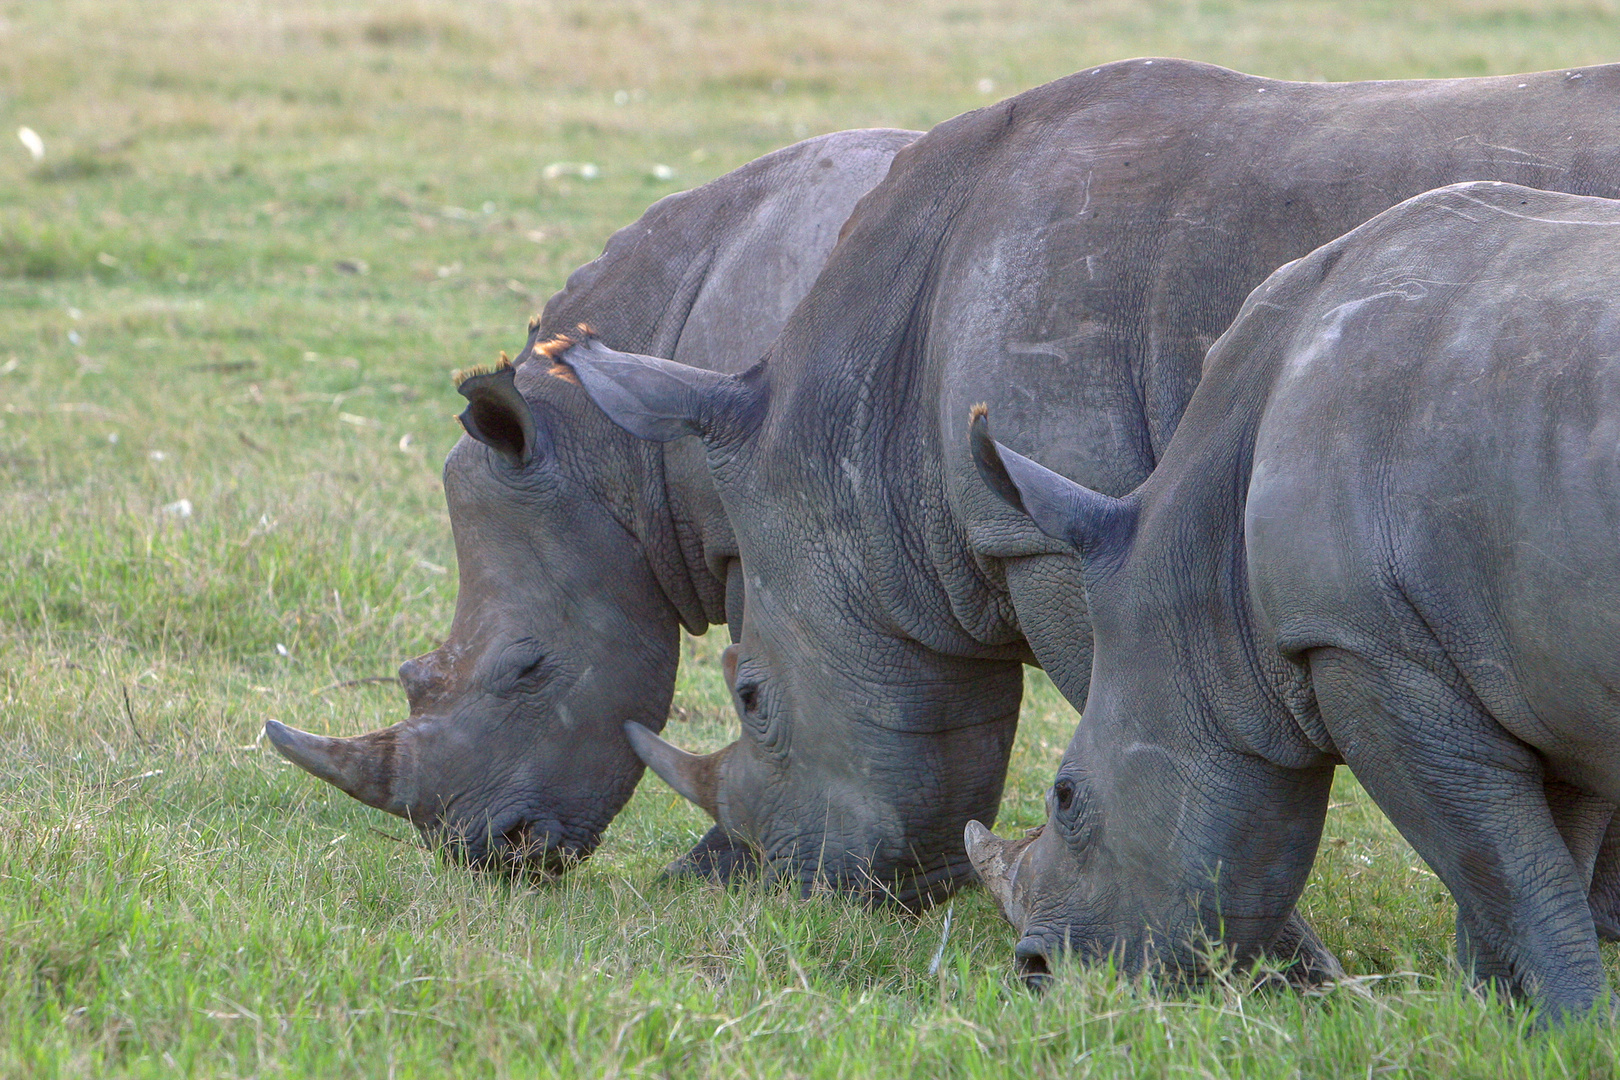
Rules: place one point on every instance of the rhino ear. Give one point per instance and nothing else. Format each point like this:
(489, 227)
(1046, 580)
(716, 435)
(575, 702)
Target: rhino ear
(662, 400)
(1099, 526)
(497, 416)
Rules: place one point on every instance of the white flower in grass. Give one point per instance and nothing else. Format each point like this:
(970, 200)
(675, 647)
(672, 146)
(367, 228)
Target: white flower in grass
(30, 138)
(585, 170)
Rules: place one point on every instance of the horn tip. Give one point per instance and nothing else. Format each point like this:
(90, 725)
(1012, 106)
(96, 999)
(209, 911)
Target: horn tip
(280, 735)
(974, 837)
(643, 740)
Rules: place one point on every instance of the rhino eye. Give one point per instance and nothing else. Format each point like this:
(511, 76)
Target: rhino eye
(522, 667)
(1063, 793)
(748, 694)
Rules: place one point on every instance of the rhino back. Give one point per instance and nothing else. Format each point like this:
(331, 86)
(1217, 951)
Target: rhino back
(1068, 256)
(1116, 229)
(1436, 473)
(708, 276)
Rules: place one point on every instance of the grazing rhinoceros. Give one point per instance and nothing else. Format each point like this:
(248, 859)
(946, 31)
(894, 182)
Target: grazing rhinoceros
(1067, 256)
(582, 550)
(1384, 534)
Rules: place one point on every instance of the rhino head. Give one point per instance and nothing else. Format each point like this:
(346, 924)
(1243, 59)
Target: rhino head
(513, 755)
(1166, 831)
(844, 775)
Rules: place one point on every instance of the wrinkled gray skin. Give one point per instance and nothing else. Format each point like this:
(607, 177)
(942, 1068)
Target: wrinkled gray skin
(1067, 256)
(1383, 535)
(582, 551)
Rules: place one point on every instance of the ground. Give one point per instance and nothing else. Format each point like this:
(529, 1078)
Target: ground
(260, 237)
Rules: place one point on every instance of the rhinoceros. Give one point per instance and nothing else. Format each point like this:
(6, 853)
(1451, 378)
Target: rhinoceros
(1384, 535)
(1066, 256)
(582, 551)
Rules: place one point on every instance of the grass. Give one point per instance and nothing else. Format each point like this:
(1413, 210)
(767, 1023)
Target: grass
(230, 295)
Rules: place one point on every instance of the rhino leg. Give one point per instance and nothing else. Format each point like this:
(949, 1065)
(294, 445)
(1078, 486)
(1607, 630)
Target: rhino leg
(1471, 800)
(717, 857)
(1604, 897)
(1581, 820)
(1307, 962)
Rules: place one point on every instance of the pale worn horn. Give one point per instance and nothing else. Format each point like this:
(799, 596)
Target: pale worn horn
(696, 776)
(364, 766)
(996, 862)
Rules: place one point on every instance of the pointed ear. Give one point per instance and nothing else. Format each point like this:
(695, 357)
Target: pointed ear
(1099, 526)
(662, 400)
(497, 415)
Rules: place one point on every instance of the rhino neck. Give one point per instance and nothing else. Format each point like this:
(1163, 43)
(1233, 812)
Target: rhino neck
(1187, 565)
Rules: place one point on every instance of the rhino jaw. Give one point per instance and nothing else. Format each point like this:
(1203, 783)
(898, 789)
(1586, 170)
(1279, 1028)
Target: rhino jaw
(697, 777)
(362, 766)
(996, 862)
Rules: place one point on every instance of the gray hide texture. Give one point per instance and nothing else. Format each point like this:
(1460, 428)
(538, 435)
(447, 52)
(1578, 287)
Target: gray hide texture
(1067, 256)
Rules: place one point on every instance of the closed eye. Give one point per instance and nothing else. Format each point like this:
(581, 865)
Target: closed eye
(528, 664)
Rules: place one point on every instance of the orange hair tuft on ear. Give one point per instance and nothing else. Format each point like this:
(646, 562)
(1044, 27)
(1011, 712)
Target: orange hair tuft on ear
(473, 372)
(554, 347)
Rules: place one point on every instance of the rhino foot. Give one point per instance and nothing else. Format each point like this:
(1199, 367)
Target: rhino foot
(717, 858)
(1309, 963)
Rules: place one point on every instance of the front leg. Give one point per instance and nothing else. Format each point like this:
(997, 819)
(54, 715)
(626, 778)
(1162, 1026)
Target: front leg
(718, 857)
(1470, 798)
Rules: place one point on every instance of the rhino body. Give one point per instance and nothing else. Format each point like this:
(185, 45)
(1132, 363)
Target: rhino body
(1383, 535)
(1067, 256)
(582, 551)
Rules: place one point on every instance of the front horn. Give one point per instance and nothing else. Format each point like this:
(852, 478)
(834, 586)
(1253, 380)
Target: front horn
(996, 862)
(696, 776)
(363, 766)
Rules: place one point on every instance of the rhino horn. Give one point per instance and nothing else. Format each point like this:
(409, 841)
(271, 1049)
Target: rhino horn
(696, 776)
(1099, 526)
(363, 766)
(996, 862)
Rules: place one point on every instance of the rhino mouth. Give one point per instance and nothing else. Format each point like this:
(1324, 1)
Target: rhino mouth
(519, 848)
(1033, 964)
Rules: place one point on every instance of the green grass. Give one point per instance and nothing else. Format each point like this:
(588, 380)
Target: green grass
(260, 238)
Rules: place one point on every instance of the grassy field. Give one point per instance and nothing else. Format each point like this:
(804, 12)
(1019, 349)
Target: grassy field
(231, 292)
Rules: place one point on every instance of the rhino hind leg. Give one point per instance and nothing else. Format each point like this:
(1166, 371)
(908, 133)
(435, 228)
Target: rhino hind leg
(718, 857)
